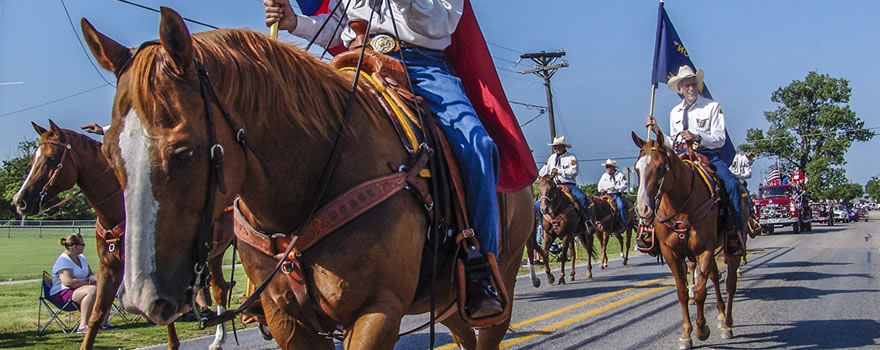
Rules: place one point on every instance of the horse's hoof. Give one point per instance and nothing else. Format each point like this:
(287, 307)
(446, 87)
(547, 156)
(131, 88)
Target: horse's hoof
(561, 281)
(536, 282)
(551, 279)
(264, 332)
(726, 333)
(684, 344)
(590, 274)
(702, 336)
(624, 263)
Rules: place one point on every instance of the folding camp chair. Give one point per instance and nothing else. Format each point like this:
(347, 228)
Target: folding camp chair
(55, 309)
(117, 309)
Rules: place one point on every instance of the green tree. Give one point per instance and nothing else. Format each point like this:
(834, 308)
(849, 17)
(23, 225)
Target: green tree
(12, 173)
(812, 128)
(845, 192)
(873, 188)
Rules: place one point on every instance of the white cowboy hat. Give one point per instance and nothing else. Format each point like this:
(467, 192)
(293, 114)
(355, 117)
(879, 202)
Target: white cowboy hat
(559, 141)
(685, 72)
(610, 162)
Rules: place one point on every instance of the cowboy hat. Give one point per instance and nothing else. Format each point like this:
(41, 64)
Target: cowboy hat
(559, 141)
(610, 162)
(685, 72)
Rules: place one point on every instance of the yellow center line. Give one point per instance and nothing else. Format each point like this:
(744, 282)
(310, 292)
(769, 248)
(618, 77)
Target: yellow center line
(581, 317)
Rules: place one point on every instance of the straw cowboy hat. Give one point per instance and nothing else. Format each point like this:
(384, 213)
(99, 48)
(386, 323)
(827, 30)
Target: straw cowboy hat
(610, 162)
(560, 141)
(685, 72)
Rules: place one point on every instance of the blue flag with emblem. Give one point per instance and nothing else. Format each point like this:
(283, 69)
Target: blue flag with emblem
(669, 53)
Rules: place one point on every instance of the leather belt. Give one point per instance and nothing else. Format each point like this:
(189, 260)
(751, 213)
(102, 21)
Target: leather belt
(387, 43)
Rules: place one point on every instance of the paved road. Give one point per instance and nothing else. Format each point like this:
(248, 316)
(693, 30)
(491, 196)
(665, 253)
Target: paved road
(815, 290)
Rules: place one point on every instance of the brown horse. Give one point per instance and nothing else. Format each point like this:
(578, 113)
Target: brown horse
(670, 195)
(364, 276)
(561, 220)
(607, 223)
(65, 158)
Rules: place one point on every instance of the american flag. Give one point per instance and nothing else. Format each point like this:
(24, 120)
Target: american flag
(773, 177)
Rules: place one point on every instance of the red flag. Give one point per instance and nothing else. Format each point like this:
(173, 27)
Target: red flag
(470, 60)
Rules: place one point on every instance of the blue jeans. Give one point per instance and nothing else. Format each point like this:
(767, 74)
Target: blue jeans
(618, 199)
(539, 235)
(472, 147)
(580, 196)
(722, 169)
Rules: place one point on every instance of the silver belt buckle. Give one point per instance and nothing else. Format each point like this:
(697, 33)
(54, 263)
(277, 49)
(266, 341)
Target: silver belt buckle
(383, 43)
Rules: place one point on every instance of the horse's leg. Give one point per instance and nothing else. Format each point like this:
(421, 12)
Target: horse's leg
(719, 299)
(462, 334)
(732, 265)
(377, 325)
(676, 265)
(531, 248)
(588, 245)
(109, 278)
(219, 289)
(548, 240)
(704, 261)
(604, 240)
(285, 330)
(626, 248)
(691, 279)
(563, 257)
(572, 249)
(622, 247)
(173, 340)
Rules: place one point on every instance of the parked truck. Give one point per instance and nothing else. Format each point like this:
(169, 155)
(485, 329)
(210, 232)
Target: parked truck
(783, 205)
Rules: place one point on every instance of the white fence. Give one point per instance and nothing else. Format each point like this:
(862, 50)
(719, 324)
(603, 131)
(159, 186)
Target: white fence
(39, 227)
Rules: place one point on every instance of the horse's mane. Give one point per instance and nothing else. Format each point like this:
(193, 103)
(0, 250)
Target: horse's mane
(74, 137)
(255, 77)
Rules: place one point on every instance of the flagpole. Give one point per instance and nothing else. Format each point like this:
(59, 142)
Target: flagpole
(651, 110)
(654, 85)
(273, 31)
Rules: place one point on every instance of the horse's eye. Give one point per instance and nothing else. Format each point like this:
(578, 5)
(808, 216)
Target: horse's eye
(182, 154)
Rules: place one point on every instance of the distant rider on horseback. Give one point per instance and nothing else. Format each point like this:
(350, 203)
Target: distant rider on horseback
(613, 183)
(700, 120)
(562, 166)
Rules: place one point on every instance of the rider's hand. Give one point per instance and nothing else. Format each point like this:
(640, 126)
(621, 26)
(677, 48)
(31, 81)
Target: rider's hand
(689, 137)
(281, 12)
(93, 128)
(650, 122)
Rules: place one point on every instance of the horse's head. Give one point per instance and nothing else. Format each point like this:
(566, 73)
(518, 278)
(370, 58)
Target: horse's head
(164, 146)
(53, 170)
(547, 193)
(653, 166)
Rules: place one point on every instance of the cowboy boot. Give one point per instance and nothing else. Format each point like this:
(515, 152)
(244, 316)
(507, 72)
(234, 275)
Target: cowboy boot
(482, 299)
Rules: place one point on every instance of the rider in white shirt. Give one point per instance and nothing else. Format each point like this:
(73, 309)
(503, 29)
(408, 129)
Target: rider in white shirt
(613, 183)
(562, 165)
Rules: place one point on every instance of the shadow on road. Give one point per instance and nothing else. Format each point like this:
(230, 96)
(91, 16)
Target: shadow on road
(805, 276)
(803, 264)
(815, 334)
(791, 293)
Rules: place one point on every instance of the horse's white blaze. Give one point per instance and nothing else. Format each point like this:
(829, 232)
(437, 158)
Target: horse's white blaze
(27, 179)
(643, 201)
(140, 212)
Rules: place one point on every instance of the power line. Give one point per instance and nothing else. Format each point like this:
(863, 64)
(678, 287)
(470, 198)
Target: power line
(79, 40)
(53, 101)
(810, 135)
(504, 47)
(157, 11)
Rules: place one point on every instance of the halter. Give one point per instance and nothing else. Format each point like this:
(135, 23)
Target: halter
(55, 171)
(204, 239)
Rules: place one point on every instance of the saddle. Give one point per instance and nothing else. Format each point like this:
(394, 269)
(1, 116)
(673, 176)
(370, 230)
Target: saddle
(430, 160)
(574, 202)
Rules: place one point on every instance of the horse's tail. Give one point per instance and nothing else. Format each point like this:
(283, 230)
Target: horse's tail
(587, 241)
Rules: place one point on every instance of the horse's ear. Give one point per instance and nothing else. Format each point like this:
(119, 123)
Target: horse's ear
(637, 140)
(175, 39)
(109, 54)
(40, 130)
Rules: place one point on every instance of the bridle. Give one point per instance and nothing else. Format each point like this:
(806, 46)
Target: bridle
(680, 226)
(53, 173)
(553, 202)
(204, 239)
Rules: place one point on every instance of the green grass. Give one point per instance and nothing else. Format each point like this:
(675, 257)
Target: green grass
(18, 327)
(25, 253)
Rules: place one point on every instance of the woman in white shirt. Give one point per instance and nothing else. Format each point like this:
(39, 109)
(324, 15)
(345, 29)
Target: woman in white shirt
(72, 278)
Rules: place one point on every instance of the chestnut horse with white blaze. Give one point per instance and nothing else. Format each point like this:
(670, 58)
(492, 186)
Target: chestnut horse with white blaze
(363, 277)
(671, 188)
(65, 158)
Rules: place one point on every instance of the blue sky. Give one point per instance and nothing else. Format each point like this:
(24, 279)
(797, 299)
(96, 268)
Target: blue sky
(747, 48)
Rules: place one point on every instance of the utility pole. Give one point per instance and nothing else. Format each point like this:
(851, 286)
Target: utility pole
(545, 68)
